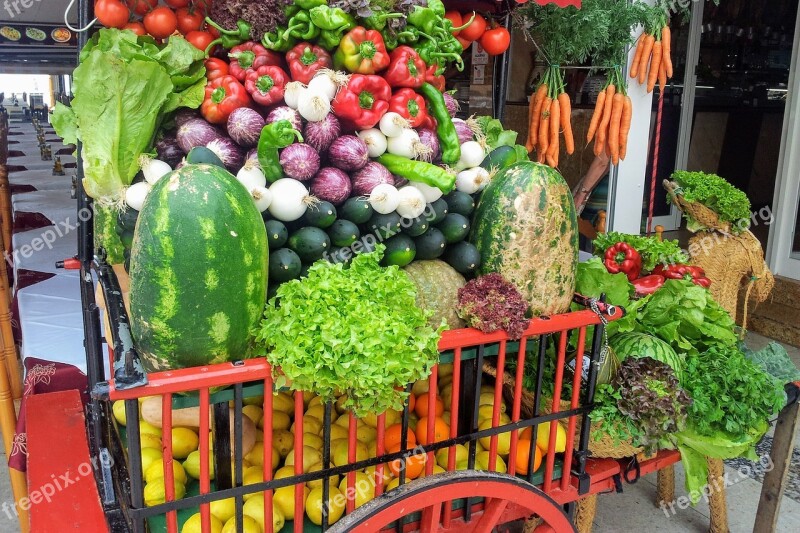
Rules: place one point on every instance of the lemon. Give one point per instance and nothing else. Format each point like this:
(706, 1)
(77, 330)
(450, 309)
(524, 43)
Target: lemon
(251, 476)
(150, 456)
(543, 437)
(223, 509)
(366, 433)
(339, 452)
(314, 483)
(184, 442)
(420, 386)
(482, 462)
(310, 425)
(192, 465)
(283, 499)
(338, 432)
(363, 488)
(254, 508)
(156, 471)
(283, 441)
(307, 397)
(436, 470)
(253, 412)
(256, 455)
(393, 484)
(248, 525)
(194, 524)
(283, 403)
(148, 440)
(316, 400)
(336, 504)
(310, 457)
(118, 408)
(284, 471)
(146, 427)
(503, 439)
(318, 411)
(254, 400)
(280, 420)
(154, 492)
(386, 477)
(309, 439)
(460, 453)
(339, 405)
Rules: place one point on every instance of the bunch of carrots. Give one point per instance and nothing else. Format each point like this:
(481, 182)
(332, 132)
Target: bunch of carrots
(611, 120)
(652, 61)
(549, 114)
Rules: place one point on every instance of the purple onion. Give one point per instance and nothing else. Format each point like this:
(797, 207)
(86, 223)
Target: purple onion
(244, 126)
(463, 130)
(369, 177)
(348, 153)
(451, 104)
(230, 153)
(431, 140)
(285, 112)
(169, 151)
(184, 115)
(399, 181)
(320, 135)
(196, 132)
(300, 161)
(332, 185)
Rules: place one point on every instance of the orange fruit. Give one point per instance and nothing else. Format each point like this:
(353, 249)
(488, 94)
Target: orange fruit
(523, 455)
(421, 407)
(526, 433)
(441, 430)
(393, 435)
(415, 465)
(412, 403)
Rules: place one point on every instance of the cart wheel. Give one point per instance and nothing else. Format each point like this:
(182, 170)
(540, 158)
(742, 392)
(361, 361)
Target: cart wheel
(501, 492)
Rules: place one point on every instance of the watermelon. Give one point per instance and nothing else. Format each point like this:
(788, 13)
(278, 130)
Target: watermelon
(198, 270)
(633, 344)
(525, 229)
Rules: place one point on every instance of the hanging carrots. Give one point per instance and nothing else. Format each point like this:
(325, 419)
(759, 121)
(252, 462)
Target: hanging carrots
(652, 61)
(611, 121)
(550, 112)
(534, 116)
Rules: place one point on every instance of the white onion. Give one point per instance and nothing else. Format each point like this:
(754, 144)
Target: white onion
(472, 180)
(483, 177)
(431, 194)
(135, 195)
(375, 140)
(290, 199)
(153, 169)
(262, 197)
(313, 106)
(412, 202)
(472, 155)
(328, 82)
(406, 144)
(251, 175)
(393, 124)
(384, 198)
(291, 93)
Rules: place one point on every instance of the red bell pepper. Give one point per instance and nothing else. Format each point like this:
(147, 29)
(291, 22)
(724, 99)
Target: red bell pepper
(266, 84)
(429, 123)
(362, 51)
(409, 105)
(648, 284)
(434, 79)
(692, 273)
(215, 68)
(305, 60)
(223, 95)
(621, 257)
(363, 101)
(251, 55)
(406, 69)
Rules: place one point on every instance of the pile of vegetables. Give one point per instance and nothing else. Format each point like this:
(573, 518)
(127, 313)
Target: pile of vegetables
(729, 203)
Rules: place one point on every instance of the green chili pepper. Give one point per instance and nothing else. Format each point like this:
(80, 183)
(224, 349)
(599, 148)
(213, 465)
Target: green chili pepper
(440, 52)
(300, 26)
(437, 6)
(445, 130)
(424, 19)
(275, 136)
(230, 38)
(331, 18)
(309, 4)
(275, 41)
(418, 171)
(390, 40)
(412, 35)
(378, 22)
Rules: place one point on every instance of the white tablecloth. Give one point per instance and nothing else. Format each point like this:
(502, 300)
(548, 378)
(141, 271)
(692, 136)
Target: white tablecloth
(44, 260)
(43, 180)
(54, 204)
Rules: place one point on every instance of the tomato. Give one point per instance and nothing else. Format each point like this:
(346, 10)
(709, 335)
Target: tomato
(136, 27)
(112, 13)
(200, 39)
(455, 18)
(464, 43)
(140, 7)
(161, 22)
(189, 19)
(496, 41)
(174, 4)
(476, 28)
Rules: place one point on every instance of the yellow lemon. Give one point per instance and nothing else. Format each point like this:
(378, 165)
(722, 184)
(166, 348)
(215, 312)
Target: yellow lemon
(336, 505)
(154, 492)
(284, 471)
(194, 524)
(339, 452)
(309, 439)
(318, 411)
(420, 386)
(316, 400)
(118, 408)
(482, 462)
(149, 456)
(543, 437)
(256, 456)
(223, 509)
(310, 457)
(503, 439)
(146, 427)
(385, 478)
(307, 397)
(393, 484)
(184, 442)
(253, 412)
(460, 453)
(310, 425)
(248, 525)
(156, 471)
(192, 465)
(316, 467)
(283, 499)
(148, 440)
(283, 402)
(283, 441)
(363, 489)
(436, 470)
(280, 420)
(339, 405)
(366, 433)
(254, 400)
(251, 476)
(338, 432)
(254, 508)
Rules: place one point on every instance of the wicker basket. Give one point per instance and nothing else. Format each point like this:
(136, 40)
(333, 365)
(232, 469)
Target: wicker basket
(699, 212)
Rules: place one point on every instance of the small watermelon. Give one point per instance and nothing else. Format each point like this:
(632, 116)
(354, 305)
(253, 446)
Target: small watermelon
(633, 344)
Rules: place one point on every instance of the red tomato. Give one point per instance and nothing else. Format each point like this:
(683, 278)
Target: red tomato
(174, 4)
(200, 39)
(189, 19)
(112, 13)
(161, 22)
(140, 7)
(136, 27)
(496, 41)
(455, 18)
(476, 28)
(464, 43)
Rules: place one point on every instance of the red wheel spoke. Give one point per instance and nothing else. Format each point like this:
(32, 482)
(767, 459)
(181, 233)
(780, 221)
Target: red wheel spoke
(491, 515)
(430, 519)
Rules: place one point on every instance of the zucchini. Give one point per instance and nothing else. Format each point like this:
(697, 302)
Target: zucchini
(284, 265)
(431, 244)
(400, 251)
(357, 210)
(310, 243)
(277, 234)
(500, 158)
(454, 227)
(321, 215)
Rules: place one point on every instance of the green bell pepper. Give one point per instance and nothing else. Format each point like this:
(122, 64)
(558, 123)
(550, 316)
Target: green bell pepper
(300, 27)
(331, 18)
(378, 22)
(437, 6)
(230, 38)
(419, 171)
(273, 137)
(445, 130)
(275, 41)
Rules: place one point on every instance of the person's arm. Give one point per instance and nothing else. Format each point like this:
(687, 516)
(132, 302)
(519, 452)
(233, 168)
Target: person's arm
(587, 184)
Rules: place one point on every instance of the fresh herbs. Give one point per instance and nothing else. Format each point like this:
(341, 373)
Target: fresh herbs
(621, 428)
(355, 330)
(728, 202)
(490, 303)
(652, 250)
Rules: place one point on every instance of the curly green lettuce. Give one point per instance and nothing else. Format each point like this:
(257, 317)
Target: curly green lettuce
(730, 204)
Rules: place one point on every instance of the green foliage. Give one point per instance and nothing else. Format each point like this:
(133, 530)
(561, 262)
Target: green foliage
(353, 330)
(494, 132)
(621, 428)
(774, 360)
(623, 17)
(652, 250)
(730, 204)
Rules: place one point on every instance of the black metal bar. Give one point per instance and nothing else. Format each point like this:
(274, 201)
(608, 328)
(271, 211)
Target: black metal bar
(537, 395)
(501, 78)
(222, 446)
(135, 460)
(237, 454)
(477, 372)
(326, 458)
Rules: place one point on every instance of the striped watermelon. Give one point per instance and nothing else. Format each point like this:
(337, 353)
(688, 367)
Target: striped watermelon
(633, 344)
(525, 228)
(198, 270)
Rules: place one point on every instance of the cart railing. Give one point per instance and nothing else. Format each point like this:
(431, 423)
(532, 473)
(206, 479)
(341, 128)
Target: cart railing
(462, 357)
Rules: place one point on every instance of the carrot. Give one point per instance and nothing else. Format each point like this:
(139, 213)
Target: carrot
(637, 56)
(602, 130)
(662, 76)
(555, 127)
(666, 49)
(532, 132)
(655, 62)
(625, 128)
(598, 113)
(614, 127)
(536, 110)
(544, 126)
(644, 60)
(566, 122)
